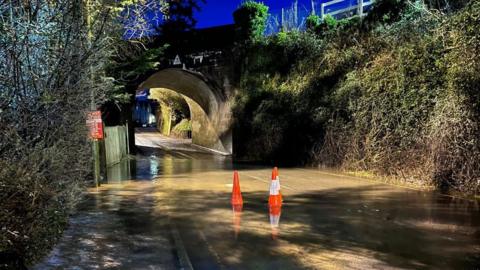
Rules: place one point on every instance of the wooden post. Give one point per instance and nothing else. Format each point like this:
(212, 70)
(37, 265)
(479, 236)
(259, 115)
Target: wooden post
(95, 143)
(96, 156)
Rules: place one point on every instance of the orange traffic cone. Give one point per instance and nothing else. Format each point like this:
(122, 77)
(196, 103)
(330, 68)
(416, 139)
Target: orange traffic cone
(275, 212)
(237, 218)
(236, 194)
(275, 198)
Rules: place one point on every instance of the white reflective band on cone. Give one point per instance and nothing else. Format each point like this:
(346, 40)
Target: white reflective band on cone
(275, 187)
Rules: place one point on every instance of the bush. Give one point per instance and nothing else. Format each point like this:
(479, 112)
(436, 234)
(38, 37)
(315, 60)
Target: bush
(312, 22)
(386, 11)
(455, 129)
(182, 129)
(36, 198)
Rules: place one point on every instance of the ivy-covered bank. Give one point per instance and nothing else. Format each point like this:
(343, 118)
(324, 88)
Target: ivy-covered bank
(395, 93)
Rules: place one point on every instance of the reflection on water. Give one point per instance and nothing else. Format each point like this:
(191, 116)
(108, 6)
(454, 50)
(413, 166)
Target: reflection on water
(237, 218)
(154, 163)
(275, 212)
(122, 171)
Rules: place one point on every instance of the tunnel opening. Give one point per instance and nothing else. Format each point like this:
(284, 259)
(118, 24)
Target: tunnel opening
(163, 110)
(163, 120)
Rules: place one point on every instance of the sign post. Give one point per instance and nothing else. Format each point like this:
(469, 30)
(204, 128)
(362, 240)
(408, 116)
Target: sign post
(95, 132)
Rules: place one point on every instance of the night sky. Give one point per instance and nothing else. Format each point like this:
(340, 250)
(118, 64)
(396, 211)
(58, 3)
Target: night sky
(219, 12)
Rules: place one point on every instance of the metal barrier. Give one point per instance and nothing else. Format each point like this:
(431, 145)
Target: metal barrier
(350, 10)
(295, 16)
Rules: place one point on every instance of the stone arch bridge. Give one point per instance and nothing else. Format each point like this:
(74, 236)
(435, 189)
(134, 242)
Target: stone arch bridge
(202, 75)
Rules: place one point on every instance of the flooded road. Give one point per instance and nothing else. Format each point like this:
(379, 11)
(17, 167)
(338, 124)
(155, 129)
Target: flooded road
(169, 210)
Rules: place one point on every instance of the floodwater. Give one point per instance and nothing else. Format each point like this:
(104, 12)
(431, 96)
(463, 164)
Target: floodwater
(171, 210)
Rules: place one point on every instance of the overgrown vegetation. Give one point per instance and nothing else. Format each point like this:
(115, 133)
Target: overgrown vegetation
(172, 110)
(47, 83)
(394, 93)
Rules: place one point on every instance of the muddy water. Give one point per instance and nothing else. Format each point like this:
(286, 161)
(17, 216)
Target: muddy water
(172, 210)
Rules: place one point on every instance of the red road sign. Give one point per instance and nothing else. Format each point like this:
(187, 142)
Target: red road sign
(95, 125)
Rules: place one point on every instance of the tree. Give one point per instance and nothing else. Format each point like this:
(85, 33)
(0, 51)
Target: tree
(144, 18)
(250, 20)
(181, 17)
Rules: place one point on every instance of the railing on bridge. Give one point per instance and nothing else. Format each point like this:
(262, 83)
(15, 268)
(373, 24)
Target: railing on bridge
(339, 9)
(295, 16)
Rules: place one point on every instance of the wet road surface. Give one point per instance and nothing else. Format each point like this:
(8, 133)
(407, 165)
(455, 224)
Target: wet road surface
(173, 211)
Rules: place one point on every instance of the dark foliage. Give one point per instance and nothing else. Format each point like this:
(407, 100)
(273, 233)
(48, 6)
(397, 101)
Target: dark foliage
(395, 94)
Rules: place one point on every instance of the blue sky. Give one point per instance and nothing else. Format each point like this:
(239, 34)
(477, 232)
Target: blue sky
(219, 12)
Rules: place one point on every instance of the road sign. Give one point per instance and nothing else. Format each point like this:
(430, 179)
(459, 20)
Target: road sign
(95, 125)
(177, 60)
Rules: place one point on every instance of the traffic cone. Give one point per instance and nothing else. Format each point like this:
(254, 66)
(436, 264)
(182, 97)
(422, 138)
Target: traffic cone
(275, 212)
(275, 198)
(236, 194)
(237, 218)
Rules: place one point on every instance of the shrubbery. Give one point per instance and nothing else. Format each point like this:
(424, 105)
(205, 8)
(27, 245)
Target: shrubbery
(182, 129)
(48, 82)
(396, 95)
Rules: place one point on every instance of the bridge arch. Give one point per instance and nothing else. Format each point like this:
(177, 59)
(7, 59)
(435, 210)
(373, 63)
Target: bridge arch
(209, 106)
